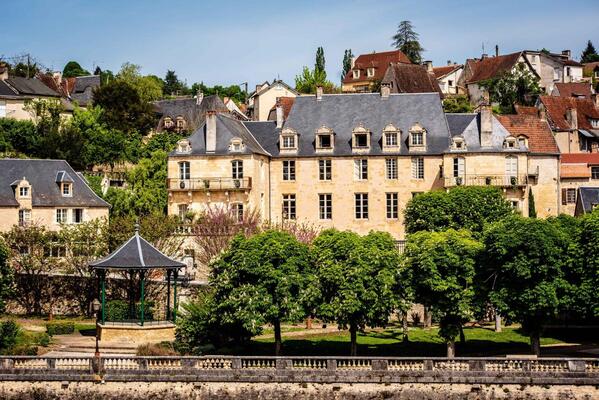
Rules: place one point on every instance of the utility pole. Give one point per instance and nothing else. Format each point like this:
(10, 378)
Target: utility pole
(28, 62)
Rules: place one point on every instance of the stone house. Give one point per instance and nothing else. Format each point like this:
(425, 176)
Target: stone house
(587, 201)
(186, 114)
(411, 78)
(448, 78)
(76, 89)
(45, 192)
(263, 99)
(581, 90)
(578, 172)
(554, 68)
(368, 69)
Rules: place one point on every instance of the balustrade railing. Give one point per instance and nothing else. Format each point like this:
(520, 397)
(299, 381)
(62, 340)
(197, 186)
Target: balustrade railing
(209, 184)
(516, 180)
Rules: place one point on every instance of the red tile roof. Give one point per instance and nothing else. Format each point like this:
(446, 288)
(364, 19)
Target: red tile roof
(410, 78)
(286, 103)
(580, 158)
(379, 61)
(556, 107)
(574, 171)
(540, 137)
(525, 110)
(573, 89)
(490, 67)
(440, 72)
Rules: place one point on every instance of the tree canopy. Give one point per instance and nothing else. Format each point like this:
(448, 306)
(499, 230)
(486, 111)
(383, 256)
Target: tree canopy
(308, 80)
(589, 54)
(347, 61)
(6, 276)
(73, 69)
(406, 40)
(148, 87)
(457, 104)
(519, 86)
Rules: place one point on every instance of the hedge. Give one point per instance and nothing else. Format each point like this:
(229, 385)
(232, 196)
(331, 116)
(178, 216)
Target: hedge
(118, 310)
(60, 327)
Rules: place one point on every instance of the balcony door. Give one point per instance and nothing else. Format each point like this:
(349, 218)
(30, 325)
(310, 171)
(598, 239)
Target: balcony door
(459, 170)
(511, 170)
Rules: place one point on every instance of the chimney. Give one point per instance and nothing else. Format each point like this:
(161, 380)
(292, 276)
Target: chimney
(210, 131)
(199, 97)
(483, 56)
(57, 76)
(385, 91)
(542, 113)
(496, 50)
(353, 62)
(449, 62)
(279, 111)
(572, 118)
(595, 98)
(3, 71)
(567, 53)
(429, 66)
(318, 93)
(486, 125)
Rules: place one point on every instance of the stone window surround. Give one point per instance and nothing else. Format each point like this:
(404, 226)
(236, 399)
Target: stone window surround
(236, 145)
(26, 189)
(287, 133)
(325, 206)
(392, 205)
(389, 130)
(66, 189)
(417, 129)
(458, 143)
(324, 131)
(183, 146)
(360, 130)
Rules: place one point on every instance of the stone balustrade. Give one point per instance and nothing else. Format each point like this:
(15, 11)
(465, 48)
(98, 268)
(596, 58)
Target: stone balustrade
(303, 369)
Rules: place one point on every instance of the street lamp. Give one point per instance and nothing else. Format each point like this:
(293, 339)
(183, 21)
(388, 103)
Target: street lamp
(96, 307)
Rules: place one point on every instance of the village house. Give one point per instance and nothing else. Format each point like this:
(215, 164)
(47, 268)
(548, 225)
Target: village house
(369, 69)
(581, 90)
(588, 200)
(48, 193)
(78, 89)
(579, 176)
(448, 78)
(411, 78)
(263, 99)
(185, 114)
(554, 68)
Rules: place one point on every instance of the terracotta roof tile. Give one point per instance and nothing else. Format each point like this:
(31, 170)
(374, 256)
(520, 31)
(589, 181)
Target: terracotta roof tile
(573, 89)
(540, 137)
(556, 107)
(380, 62)
(440, 72)
(580, 158)
(410, 78)
(491, 67)
(286, 103)
(574, 171)
(525, 110)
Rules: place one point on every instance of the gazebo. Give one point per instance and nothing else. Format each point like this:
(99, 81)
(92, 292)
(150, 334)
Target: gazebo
(137, 256)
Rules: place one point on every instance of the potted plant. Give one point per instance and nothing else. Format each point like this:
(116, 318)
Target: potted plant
(513, 180)
(458, 181)
(206, 183)
(488, 180)
(237, 183)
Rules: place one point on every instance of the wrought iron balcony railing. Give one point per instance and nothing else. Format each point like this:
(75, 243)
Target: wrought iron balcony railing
(487, 180)
(209, 184)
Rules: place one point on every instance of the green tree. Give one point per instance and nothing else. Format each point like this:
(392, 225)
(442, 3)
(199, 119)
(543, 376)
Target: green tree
(6, 276)
(308, 80)
(353, 280)
(522, 266)
(589, 54)
(25, 69)
(532, 210)
(73, 69)
(148, 87)
(347, 62)
(457, 104)
(233, 92)
(19, 136)
(589, 262)
(172, 84)
(319, 65)
(406, 40)
(519, 86)
(259, 280)
(442, 266)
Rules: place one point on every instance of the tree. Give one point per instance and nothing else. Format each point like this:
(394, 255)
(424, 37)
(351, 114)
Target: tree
(589, 54)
(406, 40)
(6, 276)
(149, 87)
(347, 62)
(519, 86)
(19, 136)
(73, 69)
(457, 104)
(319, 65)
(353, 280)
(522, 266)
(259, 280)
(172, 84)
(589, 262)
(308, 80)
(233, 92)
(532, 210)
(25, 69)
(442, 267)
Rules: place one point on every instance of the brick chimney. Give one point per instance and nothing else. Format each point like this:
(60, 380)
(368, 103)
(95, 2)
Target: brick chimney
(595, 98)
(486, 125)
(567, 53)
(199, 97)
(385, 91)
(542, 113)
(429, 66)
(572, 118)
(3, 71)
(210, 131)
(279, 112)
(318, 93)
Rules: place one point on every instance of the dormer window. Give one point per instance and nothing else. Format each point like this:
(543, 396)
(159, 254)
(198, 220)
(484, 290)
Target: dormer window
(417, 137)
(360, 138)
(391, 137)
(370, 72)
(458, 143)
(509, 143)
(183, 146)
(324, 139)
(67, 189)
(288, 140)
(522, 141)
(24, 191)
(236, 145)
(594, 122)
(356, 73)
(180, 124)
(168, 122)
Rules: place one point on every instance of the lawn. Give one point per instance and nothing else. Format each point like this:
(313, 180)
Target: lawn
(388, 342)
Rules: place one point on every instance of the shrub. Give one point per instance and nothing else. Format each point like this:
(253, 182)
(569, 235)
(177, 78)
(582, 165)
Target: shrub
(9, 330)
(60, 327)
(24, 350)
(415, 318)
(161, 349)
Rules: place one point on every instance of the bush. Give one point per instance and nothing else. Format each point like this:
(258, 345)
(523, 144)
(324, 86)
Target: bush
(24, 350)
(161, 349)
(118, 310)
(9, 330)
(60, 327)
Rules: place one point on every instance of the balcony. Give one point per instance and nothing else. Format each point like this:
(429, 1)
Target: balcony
(209, 184)
(487, 180)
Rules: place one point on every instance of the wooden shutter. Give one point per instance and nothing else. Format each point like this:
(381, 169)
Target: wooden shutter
(564, 197)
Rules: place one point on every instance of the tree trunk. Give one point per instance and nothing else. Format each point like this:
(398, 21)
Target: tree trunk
(309, 323)
(354, 340)
(278, 340)
(497, 322)
(462, 336)
(535, 343)
(404, 325)
(451, 349)
(428, 317)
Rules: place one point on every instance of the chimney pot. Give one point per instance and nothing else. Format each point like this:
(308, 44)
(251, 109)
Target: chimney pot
(210, 131)
(199, 97)
(567, 53)
(572, 118)
(318, 93)
(279, 112)
(353, 62)
(486, 125)
(385, 91)
(449, 62)
(542, 113)
(429, 66)
(496, 50)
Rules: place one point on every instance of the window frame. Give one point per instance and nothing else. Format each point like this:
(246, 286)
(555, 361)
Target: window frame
(360, 169)
(63, 212)
(392, 205)
(417, 168)
(26, 189)
(571, 194)
(391, 168)
(325, 169)
(288, 138)
(184, 170)
(289, 206)
(594, 171)
(361, 205)
(370, 71)
(237, 210)
(356, 73)
(456, 167)
(66, 189)
(77, 215)
(325, 206)
(24, 216)
(288, 170)
(237, 169)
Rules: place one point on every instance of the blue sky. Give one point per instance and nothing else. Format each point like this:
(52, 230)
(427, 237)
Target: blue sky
(229, 42)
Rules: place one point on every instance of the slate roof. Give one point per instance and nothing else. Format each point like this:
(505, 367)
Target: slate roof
(7, 91)
(490, 67)
(30, 87)
(379, 61)
(45, 192)
(410, 78)
(574, 89)
(557, 106)
(188, 108)
(588, 198)
(467, 125)
(83, 89)
(136, 253)
(538, 132)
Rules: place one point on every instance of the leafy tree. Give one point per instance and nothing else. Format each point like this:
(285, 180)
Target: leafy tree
(172, 84)
(457, 104)
(166, 141)
(124, 109)
(589, 262)
(233, 92)
(347, 61)
(589, 54)
(532, 210)
(149, 87)
(6, 276)
(259, 280)
(519, 86)
(308, 80)
(73, 69)
(353, 280)
(19, 136)
(25, 70)
(319, 65)
(406, 40)
(522, 266)
(442, 266)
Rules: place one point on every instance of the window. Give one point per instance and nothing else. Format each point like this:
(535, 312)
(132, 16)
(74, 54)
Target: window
(522, 142)
(168, 122)
(361, 140)
(458, 143)
(288, 142)
(391, 168)
(180, 124)
(289, 206)
(511, 169)
(24, 217)
(324, 170)
(370, 72)
(324, 141)
(325, 206)
(66, 189)
(184, 170)
(237, 169)
(571, 195)
(595, 123)
(356, 73)
(509, 143)
(24, 191)
(450, 83)
(418, 168)
(237, 210)
(361, 169)
(2, 109)
(458, 167)
(236, 145)
(417, 139)
(515, 204)
(288, 170)
(361, 205)
(595, 172)
(77, 215)
(182, 211)
(567, 71)
(390, 138)
(392, 208)
(61, 215)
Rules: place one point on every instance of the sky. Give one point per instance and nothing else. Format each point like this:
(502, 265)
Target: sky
(231, 42)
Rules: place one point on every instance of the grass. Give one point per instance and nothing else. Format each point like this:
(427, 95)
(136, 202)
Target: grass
(388, 342)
